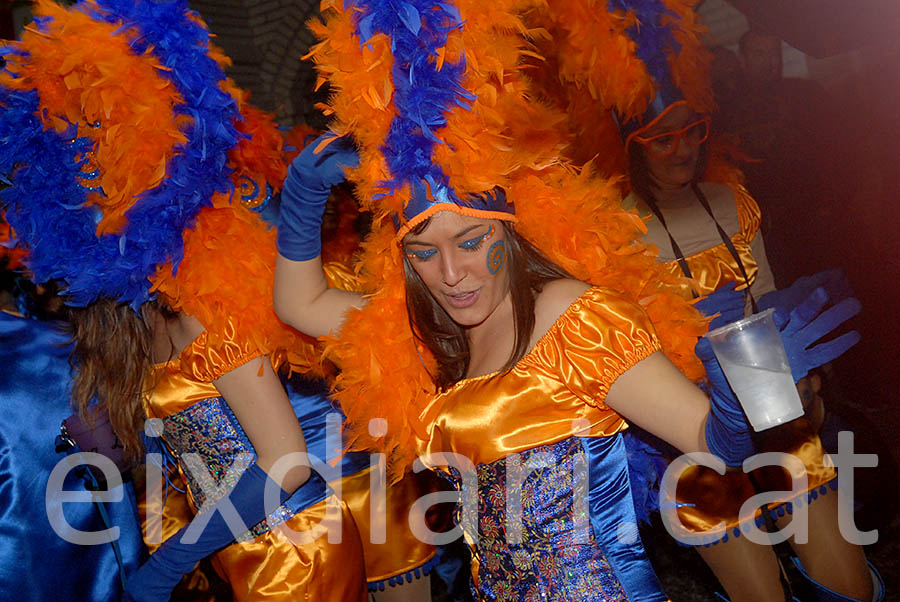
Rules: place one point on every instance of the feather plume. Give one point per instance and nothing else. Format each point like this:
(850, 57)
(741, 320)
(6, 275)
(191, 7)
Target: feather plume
(129, 173)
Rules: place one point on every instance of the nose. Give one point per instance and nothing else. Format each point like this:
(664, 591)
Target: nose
(683, 150)
(452, 270)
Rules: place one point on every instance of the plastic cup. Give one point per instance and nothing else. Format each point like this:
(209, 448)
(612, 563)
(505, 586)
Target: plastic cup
(752, 356)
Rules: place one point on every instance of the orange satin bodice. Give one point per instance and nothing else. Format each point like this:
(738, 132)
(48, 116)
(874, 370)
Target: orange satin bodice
(716, 266)
(564, 378)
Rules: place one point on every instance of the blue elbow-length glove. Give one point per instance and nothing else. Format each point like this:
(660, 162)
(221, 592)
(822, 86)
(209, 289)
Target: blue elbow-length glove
(726, 302)
(807, 323)
(157, 577)
(305, 192)
(833, 281)
(727, 429)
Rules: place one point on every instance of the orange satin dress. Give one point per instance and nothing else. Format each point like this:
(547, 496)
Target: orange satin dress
(707, 499)
(555, 391)
(264, 565)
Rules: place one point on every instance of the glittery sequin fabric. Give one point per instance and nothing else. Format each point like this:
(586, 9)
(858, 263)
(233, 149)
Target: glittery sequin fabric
(558, 559)
(210, 430)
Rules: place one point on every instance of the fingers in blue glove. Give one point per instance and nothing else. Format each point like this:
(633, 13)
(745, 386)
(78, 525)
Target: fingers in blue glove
(830, 319)
(826, 352)
(808, 323)
(834, 282)
(324, 160)
(725, 303)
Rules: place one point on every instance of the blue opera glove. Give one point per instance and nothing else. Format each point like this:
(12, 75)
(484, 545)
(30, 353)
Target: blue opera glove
(726, 302)
(156, 578)
(727, 429)
(807, 323)
(833, 281)
(305, 192)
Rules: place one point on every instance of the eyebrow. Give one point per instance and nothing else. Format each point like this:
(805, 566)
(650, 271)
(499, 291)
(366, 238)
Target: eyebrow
(457, 236)
(467, 230)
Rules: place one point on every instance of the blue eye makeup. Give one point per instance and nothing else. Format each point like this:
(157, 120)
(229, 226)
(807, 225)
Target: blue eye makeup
(422, 255)
(473, 244)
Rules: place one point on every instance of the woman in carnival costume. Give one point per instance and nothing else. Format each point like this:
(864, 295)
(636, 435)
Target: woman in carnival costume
(143, 207)
(706, 227)
(721, 247)
(480, 343)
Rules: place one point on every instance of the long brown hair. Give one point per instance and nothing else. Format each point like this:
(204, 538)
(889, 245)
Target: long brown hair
(111, 358)
(528, 271)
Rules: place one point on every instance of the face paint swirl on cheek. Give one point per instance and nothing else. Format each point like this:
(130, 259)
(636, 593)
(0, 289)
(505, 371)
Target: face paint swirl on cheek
(496, 257)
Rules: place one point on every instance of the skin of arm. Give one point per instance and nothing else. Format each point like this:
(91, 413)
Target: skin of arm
(654, 395)
(304, 300)
(255, 395)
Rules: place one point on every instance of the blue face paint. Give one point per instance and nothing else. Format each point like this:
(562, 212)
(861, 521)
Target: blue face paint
(496, 257)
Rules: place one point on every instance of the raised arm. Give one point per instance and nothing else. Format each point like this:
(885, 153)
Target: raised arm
(302, 296)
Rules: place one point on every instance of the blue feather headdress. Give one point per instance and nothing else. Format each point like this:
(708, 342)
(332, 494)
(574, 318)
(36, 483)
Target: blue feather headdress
(54, 190)
(426, 91)
(654, 36)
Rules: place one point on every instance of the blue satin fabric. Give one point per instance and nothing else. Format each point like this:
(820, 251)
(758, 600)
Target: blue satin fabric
(613, 518)
(489, 201)
(35, 563)
(312, 406)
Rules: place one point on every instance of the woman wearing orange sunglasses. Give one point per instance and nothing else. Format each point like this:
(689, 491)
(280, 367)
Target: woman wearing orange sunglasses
(709, 232)
(690, 219)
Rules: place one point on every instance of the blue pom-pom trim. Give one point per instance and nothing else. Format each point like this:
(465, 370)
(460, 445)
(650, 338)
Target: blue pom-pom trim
(45, 204)
(775, 512)
(407, 577)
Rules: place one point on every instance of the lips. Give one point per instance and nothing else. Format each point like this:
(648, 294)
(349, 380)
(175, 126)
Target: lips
(462, 300)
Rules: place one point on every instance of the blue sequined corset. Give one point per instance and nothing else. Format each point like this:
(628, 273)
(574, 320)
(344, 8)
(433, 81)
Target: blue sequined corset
(210, 430)
(558, 557)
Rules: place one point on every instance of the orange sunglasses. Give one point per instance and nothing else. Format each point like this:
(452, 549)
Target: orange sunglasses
(663, 145)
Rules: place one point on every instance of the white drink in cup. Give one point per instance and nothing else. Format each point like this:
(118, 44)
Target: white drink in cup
(752, 356)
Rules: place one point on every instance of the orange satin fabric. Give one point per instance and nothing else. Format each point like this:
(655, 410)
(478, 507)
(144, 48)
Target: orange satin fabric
(565, 377)
(402, 551)
(272, 568)
(715, 266)
(718, 498)
(175, 512)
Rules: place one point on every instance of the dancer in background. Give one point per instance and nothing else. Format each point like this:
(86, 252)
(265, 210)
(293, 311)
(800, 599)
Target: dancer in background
(145, 212)
(705, 227)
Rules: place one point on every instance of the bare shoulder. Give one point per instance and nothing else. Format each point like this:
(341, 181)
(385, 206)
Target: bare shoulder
(553, 300)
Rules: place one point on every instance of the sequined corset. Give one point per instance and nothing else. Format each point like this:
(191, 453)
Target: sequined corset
(558, 558)
(210, 430)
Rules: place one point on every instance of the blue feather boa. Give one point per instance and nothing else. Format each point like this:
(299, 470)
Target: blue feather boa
(45, 204)
(655, 41)
(423, 95)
